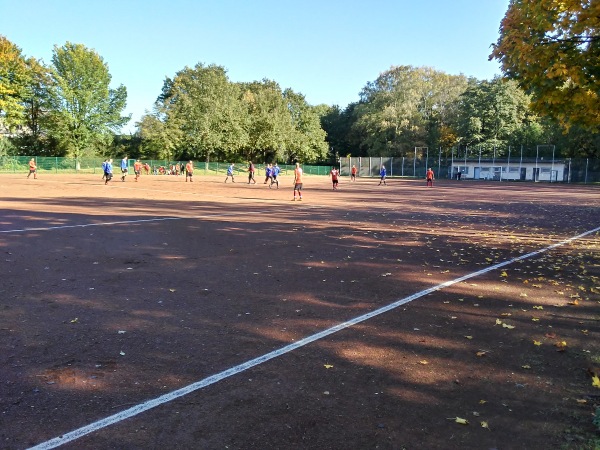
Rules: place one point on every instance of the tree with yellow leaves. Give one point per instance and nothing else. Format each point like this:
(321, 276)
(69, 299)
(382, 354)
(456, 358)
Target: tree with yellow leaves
(14, 78)
(552, 48)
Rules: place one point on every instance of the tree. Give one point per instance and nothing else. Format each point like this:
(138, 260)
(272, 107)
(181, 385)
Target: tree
(407, 107)
(200, 107)
(306, 142)
(268, 123)
(491, 112)
(552, 48)
(85, 110)
(34, 139)
(14, 77)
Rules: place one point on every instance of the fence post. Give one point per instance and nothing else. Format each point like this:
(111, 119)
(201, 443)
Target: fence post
(587, 162)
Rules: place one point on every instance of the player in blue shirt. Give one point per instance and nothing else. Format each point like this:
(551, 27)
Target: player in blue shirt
(382, 173)
(124, 168)
(230, 173)
(274, 174)
(107, 166)
(269, 173)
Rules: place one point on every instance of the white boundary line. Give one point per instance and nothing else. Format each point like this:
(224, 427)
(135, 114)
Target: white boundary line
(153, 403)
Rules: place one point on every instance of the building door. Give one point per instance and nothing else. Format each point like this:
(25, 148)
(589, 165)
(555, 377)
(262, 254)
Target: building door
(477, 172)
(536, 174)
(523, 174)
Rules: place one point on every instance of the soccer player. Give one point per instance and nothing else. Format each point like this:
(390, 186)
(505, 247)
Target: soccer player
(230, 173)
(251, 173)
(353, 173)
(429, 177)
(32, 169)
(298, 181)
(189, 171)
(382, 174)
(137, 169)
(268, 173)
(335, 173)
(124, 168)
(108, 171)
(274, 175)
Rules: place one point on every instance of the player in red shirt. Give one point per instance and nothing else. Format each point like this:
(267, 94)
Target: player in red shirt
(429, 177)
(334, 177)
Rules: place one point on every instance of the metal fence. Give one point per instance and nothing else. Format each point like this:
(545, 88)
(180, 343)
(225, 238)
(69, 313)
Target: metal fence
(478, 167)
(17, 164)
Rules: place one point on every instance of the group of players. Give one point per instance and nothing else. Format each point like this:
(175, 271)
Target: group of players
(271, 174)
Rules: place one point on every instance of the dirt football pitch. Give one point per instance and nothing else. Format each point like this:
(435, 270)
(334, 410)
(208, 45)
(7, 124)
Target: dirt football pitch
(162, 314)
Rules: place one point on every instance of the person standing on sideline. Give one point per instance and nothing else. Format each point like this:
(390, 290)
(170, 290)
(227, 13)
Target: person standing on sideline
(298, 181)
(230, 173)
(382, 174)
(124, 168)
(32, 169)
(108, 171)
(429, 177)
(274, 175)
(251, 173)
(137, 169)
(334, 177)
(189, 171)
(353, 173)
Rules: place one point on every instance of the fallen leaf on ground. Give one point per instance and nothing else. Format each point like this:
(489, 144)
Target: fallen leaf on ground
(327, 366)
(459, 420)
(485, 425)
(561, 346)
(424, 362)
(537, 342)
(510, 327)
(538, 307)
(481, 353)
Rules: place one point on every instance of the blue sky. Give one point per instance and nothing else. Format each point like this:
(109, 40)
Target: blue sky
(327, 50)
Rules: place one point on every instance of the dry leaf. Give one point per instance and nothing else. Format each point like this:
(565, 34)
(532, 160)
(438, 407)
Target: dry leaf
(535, 319)
(327, 366)
(526, 366)
(424, 362)
(596, 381)
(537, 342)
(498, 322)
(469, 337)
(482, 402)
(459, 420)
(481, 353)
(510, 327)
(561, 346)
(75, 320)
(485, 425)
(503, 274)
(538, 307)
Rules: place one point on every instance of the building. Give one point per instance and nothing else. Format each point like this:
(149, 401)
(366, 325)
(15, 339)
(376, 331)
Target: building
(528, 169)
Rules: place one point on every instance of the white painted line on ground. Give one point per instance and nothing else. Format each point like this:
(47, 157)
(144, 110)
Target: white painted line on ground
(153, 403)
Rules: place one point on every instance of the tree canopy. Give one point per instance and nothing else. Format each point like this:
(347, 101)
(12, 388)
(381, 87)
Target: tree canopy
(86, 112)
(552, 49)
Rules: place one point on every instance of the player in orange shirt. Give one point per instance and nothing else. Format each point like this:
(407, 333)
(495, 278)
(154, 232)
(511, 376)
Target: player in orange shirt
(353, 173)
(189, 171)
(429, 177)
(298, 181)
(137, 169)
(32, 169)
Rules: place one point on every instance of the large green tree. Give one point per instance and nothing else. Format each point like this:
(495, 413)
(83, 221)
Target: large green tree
(268, 123)
(14, 79)
(201, 107)
(406, 107)
(306, 142)
(552, 48)
(490, 113)
(86, 111)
